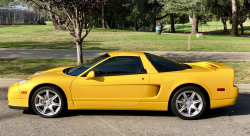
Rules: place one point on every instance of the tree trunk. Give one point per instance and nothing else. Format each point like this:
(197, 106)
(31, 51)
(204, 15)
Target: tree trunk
(107, 24)
(110, 22)
(194, 25)
(79, 52)
(154, 18)
(144, 22)
(78, 40)
(234, 19)
(135, 24)
(38, 20)
(99, 22)
(242, 28)
(154, 25)
(172, 23)
(103, 15)
(224, 21)
(144, 25)
(190, 19)
(197, 25)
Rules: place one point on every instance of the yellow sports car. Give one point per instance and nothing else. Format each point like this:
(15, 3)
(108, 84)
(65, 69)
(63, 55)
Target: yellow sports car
(127, 80)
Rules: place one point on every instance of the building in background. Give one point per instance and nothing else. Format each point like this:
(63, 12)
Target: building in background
(10, 16)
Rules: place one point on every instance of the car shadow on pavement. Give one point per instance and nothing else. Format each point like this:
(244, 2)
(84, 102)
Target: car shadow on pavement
(116, 113)
(242, 107)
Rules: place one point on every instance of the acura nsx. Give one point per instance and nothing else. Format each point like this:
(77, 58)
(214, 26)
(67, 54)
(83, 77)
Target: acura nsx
(127, 80)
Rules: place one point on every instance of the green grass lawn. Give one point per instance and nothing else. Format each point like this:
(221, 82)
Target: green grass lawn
(241, 69)
(213, 27)
(21, 68)
(46, 37)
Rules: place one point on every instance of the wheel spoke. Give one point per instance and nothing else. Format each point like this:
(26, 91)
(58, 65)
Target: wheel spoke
(54, 97)
(56, 104)
(47, 94)
(51, 109)
(185, 96)
(189, 111)
(179, 101)
(44, 109)
(39, 104)
(197, 101)
(198, 110)
(192, 96)
(183, 108)
(39, 96)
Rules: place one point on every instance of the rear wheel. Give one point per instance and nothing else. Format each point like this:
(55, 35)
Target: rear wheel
(188, 103)
(48, 102)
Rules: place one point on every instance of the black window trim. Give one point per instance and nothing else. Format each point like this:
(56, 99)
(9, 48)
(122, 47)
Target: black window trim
(150, 59)
(143, 70)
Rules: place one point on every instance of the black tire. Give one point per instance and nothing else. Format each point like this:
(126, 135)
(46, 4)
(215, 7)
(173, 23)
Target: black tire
(42, 104)
(189, 108)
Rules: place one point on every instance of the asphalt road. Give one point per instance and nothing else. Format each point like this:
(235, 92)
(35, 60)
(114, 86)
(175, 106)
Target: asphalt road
(90, 54)
(228, 121)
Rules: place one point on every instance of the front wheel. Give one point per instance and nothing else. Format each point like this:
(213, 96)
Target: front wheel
(188, 103)
(47, 102)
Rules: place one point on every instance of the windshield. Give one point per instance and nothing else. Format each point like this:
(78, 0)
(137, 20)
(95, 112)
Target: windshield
(165, 65)
(75, 71)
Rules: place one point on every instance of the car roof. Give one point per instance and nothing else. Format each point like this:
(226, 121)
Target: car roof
(124, 53)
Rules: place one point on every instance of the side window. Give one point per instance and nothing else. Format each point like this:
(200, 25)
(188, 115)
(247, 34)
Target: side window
(162, 66)
(119, 66)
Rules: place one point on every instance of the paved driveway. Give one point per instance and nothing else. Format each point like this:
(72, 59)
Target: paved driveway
(228, 121)
(89, 54)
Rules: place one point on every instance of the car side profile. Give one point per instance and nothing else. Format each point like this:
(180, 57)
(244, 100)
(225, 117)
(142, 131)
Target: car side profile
(127, 80)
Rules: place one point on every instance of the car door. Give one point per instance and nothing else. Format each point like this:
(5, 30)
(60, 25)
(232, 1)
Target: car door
(118, 81)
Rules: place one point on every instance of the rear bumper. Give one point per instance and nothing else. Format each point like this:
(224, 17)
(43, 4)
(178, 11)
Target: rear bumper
(234, 92)
(222, 103)
(232, 97)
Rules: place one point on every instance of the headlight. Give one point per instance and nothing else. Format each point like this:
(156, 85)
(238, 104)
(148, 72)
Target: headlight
(23, 80)
(37, 72)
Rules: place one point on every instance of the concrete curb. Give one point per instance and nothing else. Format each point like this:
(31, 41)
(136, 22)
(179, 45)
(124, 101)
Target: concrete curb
(243, 86)
(6, 82)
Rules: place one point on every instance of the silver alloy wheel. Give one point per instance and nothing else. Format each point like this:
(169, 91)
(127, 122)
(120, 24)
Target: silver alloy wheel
(47, 102)
(189, 103)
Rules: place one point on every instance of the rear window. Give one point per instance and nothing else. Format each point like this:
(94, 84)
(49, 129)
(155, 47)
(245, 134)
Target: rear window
(165, 65)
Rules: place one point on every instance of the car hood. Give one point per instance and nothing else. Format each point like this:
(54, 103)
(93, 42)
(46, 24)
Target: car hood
(58, 70)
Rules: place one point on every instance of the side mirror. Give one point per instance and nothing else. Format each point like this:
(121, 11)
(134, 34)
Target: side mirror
(90, 75)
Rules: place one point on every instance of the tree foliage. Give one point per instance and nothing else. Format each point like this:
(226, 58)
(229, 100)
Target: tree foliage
(198, 10)
(140, 12)
(76, 14)
(6, 3)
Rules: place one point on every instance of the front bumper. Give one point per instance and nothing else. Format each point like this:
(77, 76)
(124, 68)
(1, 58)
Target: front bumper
(15, 99)
(19, 102)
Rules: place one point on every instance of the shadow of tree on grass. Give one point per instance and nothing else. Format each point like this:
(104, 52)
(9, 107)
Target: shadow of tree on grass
(90, 45)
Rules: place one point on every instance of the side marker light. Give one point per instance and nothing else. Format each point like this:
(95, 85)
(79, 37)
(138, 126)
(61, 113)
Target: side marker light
(24, 92)
(220, 89)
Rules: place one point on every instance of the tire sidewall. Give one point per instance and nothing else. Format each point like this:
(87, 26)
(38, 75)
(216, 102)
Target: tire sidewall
(188, 88)
(52, 89)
